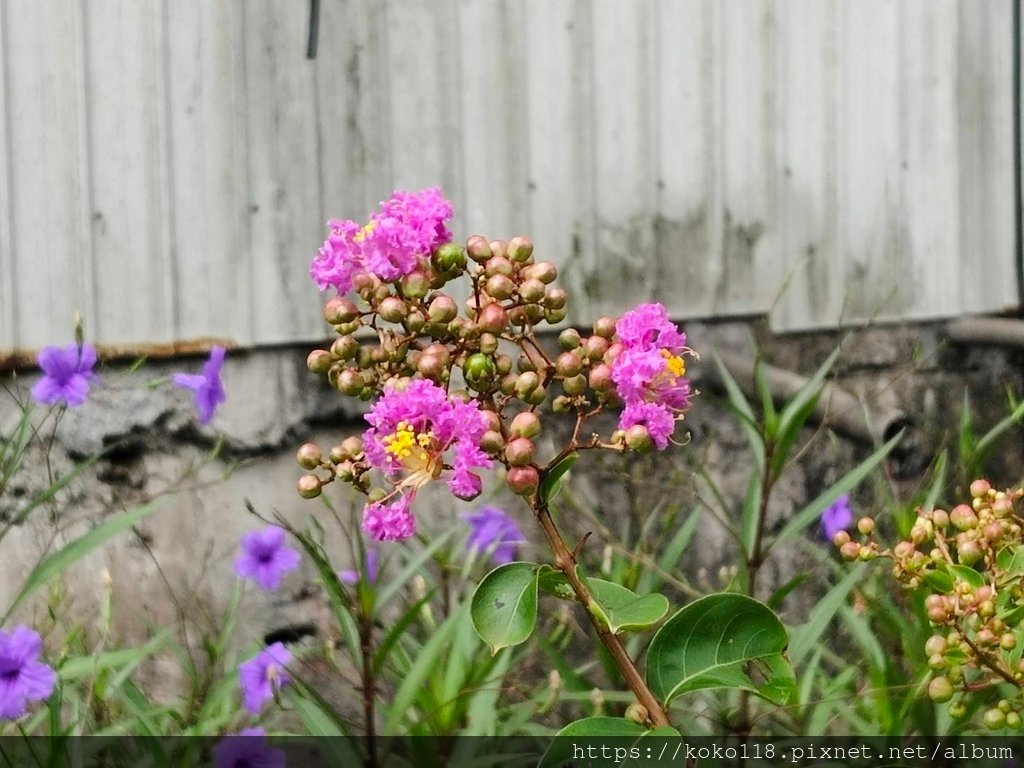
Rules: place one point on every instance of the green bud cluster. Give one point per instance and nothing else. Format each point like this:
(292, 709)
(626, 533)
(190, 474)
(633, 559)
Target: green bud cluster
(966, 559)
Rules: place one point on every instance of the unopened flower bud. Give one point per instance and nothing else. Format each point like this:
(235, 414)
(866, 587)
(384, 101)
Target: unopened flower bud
(600, 378)
(561, 404)
(345, 347)
(479, 249)
(968, 553)
(555, 299)
(963, 517)
(519, 452)
(450, 257)
(574, 386)
(376, 494)
(527, 382)
(350, 382)
(340, 310)
(308, 456)
(498, 265)
(940, 518)
(492, 442)
(936, 644)
(940, 690)
(442, 309)
(430, 367)
(1002, 507)
(638, 438)
(569, 339)
(525, 424)
(365, 284)
(309, 486)
(532, 291)
(595, 347)
(980, 488)
(479, 370)
(543, 271)
(536, 397)
(319, 361)
(523, 481)
(500, 287)
(489, 344)
(866, 525)
(554, 316)
(492, 319)
(568, 364)
(1008, 641)
(499, 248)
(637, 713)
(392, 309)
(604, 327)
(840, 538)
(994, 719)
(850, 550)
(520, 249)
(352, 446)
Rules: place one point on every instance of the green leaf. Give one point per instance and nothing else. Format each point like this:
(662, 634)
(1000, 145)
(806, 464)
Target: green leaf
(798, 410)
(504, 607)
(806, 635)
(940, 579)
(741, 407)
(59, 561)
(83, 666)
(846, 483)
(967, 574)
(551, 484)
(618, 608)
(718, 642)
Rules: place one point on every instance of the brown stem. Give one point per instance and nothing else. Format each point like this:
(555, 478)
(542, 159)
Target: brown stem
(565, 561)
(369, 686)
(985, 659)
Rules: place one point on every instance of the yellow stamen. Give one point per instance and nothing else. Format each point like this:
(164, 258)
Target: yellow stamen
(410, 448)
(675, 364)
(362, 233)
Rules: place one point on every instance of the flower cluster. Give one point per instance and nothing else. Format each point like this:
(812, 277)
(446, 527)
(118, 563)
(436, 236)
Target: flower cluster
(459, 389)
(968, 558)
(408, 227)
(650, 372)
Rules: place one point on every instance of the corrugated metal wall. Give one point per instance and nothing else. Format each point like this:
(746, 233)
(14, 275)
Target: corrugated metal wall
(167, 166)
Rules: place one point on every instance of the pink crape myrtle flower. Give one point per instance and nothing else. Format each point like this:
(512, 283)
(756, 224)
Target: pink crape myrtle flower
(650, 371)
(412, 431)
(408, 227)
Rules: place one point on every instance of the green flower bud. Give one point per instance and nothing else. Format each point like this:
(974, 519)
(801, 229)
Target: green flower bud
(1013, 720)
(337, 455)
(980, 488)
(994, 719)
(536, 397)
(488, 343)
(416, 284)
(555, 298)
(353, 447)
(345, 347)
(936, 644)
(963, 517)
(543, 271)
(498, 265)
(525, 424)
(350, 382)
(554, 316)
(442, 309)
(492, 442)
(340, 310)
(957, 710)
(569, 339)
(504, 364)
(319, 361)
(639, 439)
(940, 690)
(520, 249)
(523, 481)
(392, 309)
(595, 347)
(568, 364)
(308, 456)
(850, 550)
(309, 486)
(561, 404)
(479, 370)
(519, 452)
(969, 553)
(527, 382)
(637, 713)
(499, 248)
(532, 291)
(500, 287)
(507, 383)
(600, 378)
(479, 249)
(415, 321)
(575, 386)
(866, 525)
(449, 257)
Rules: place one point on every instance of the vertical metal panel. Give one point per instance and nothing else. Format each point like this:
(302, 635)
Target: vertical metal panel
(172, 164)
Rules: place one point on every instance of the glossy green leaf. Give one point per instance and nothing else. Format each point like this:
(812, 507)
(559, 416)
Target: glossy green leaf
(504, 607)
(619, 608)
(721, 641)
(552, 482)
(967, 574)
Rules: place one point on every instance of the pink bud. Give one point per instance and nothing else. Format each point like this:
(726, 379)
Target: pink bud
(519, 452)
(523, 481)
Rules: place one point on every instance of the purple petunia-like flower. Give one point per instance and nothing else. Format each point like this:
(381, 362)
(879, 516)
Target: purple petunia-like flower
(837, 517)
(209, 390)
(650, 373)
(247, 749)
(408, 226)
(23, 678)
(266, 557)
(263, 674)
(412, 431)
(67, 372)
(352, 577)
(493, 530)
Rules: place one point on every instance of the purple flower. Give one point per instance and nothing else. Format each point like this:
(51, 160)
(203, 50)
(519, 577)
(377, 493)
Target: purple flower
(493, 530)
(207, 386)
(411, 431)
(247, 749)
(67, 373)
(266, 557)
(390, 522)
(23, 677)
(649, 371)
(352, 577)
(262, 675)
(838, 517)
(408, 227)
